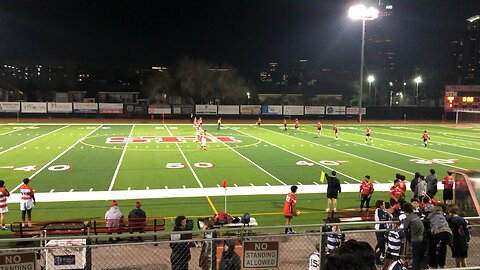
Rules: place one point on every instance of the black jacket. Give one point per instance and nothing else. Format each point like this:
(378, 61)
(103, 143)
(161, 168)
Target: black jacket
(230, 260)
(180, 251)
(333, 184)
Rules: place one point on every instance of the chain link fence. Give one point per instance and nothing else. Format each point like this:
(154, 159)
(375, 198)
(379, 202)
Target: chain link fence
(260, 247)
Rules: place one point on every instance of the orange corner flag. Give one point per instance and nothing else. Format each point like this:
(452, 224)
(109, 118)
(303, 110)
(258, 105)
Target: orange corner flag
(224, 184)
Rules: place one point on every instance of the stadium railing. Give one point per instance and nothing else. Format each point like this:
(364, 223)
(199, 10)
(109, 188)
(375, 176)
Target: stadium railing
(291, 251)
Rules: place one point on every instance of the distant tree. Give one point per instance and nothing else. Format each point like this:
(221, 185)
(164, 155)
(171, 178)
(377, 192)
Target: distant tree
(159, 86)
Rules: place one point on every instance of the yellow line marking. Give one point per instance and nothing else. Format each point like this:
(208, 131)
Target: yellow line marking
(211, 205)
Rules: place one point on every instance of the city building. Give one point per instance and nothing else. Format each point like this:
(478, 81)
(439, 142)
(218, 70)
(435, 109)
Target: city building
(466, 53)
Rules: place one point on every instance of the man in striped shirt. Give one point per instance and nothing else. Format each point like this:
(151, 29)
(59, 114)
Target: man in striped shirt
(334, 239)
(3, 203)
(394, 243)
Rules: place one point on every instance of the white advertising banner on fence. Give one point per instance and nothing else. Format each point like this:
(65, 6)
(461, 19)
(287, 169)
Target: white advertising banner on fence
(85, 107)
(205, 109)
(335, 110)
(110, 108)
(314, 109)
(159, 110)
(272, 109)
(250, 109)
(354, 110)
(59, 107)
(292, 110)
(9, 106)
(34, 107)
(228, 109)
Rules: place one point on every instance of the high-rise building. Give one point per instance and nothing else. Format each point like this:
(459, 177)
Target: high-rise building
(466, 53)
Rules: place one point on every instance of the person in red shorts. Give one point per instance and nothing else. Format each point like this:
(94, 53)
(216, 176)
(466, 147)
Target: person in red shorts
(448, 183)
(290, 208)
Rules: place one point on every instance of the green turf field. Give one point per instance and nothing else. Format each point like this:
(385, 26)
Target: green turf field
(77, 168)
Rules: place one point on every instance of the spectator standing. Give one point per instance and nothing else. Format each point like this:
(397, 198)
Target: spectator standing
(448, 183)
(421, 188)
(230, 259)
(414, 230)
(27, 201)
(136, 220)
(114, 220)
(380, 215)
(432, 181)
(180, 256)
(314, 260)
(413, 185)
(461, 237)
(394, 237)
(333, 188)
(334, 239)
(208, 255)
(366, 191)
(441, 236)
(290, 208)
(3, 203)
(395, 192)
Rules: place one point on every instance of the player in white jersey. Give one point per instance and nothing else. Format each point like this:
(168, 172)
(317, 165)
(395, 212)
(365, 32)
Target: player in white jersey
(203, 137)
(198, 132)
(314, 261)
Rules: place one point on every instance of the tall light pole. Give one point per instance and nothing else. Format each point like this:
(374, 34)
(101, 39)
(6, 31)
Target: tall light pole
(360, 12)
(370, 79)
(248, 97)
(417, 81)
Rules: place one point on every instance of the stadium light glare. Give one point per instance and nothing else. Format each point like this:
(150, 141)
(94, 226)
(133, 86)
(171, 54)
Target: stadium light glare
(417, 80)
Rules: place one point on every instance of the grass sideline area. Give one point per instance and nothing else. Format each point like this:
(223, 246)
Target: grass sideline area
(77, 168)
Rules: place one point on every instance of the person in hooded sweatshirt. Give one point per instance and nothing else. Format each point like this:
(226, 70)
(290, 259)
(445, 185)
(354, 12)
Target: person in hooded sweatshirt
(230, 259)
(114, 220)
(413, 185)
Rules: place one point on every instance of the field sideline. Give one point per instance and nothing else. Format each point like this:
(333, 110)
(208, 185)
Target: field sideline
(128, 161)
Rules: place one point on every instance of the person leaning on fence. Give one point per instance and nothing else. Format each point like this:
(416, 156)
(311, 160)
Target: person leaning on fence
(441, 236)
(352, 255)
(334, 239)
(230, 259)
(136, 220)
(180, 256)
(27, 201)
(394, 238)
(461, 237)
(3, 203)
(114, 220)
(208, 255)
(414, 229)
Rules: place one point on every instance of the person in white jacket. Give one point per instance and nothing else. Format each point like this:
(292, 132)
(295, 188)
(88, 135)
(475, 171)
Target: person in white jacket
(114, 220)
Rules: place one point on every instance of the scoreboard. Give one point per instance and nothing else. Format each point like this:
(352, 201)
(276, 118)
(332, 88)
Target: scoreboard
(462, 98)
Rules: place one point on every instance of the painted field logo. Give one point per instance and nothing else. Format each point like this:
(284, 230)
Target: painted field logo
(434, 161)
(169, 139)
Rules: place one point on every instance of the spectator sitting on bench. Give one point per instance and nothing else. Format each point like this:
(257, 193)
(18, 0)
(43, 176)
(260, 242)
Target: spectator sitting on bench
(136, 220)
(114, 220)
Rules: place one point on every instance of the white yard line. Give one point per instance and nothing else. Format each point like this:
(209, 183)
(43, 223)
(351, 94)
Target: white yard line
(295, 154)
(254, 164)
(186, 160)
(32, 139)
(347, 153)
(120, 161)
(12, 131)
(57, 157)
(402, 154)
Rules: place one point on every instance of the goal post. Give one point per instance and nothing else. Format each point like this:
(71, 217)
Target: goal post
(464, 116)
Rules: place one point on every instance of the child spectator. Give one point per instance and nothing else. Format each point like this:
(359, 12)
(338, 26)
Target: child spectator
(334, 239)
(401, 264)
(380, 215)
(314, 260)
(461, 237)
(394, 238)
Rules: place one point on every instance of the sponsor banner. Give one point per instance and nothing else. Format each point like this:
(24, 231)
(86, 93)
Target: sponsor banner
(205, 109)
(272, 109)
(187, 109)
(250, 109)
(34, 107)
(292, 110)
(161, 110)
(59, 107)
(85, 107)
(335, 110)
(135, 109)
(354, 110)
(9, 106)
(110, 108)
(314, 109)
(228, 109)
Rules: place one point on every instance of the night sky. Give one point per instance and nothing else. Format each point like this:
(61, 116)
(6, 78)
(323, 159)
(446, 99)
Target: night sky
(245, 33)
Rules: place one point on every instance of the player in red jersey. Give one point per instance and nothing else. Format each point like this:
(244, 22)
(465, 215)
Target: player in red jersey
(27, 201)
(335, 130)
(368, 135)
(448, 183)
(285, 123)
(366, 191)
(395, 192)
(296, 125)
(425, 138)
(259, 121)
(319, 128)
(3, 203)
(290, 208)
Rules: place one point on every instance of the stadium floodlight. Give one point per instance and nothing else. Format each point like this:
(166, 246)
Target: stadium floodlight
(417, 80)
(370, 80)
(360, 12)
